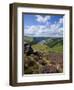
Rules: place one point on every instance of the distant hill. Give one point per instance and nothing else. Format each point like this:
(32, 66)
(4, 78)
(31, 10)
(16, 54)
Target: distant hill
(46, 40)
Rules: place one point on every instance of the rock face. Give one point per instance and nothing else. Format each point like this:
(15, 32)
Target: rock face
(28, 49)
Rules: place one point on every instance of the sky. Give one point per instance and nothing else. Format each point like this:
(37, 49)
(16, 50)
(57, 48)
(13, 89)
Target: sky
(43, 25)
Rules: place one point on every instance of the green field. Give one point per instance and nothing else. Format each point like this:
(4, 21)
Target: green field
(44, 48)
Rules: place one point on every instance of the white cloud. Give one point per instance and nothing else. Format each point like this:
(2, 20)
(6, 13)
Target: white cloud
(57, 25)
(61, 20)
(42, 19)
(52, 30)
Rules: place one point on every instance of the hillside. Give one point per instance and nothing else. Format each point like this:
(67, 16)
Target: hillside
(46, 55)
(58, 48)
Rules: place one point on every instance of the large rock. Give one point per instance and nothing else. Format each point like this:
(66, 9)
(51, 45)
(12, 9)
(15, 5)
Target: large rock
(28, 49)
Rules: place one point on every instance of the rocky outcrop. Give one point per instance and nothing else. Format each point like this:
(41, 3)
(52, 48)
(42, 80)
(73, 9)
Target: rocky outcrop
(28, 49)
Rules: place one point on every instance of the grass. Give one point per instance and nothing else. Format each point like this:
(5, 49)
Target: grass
(40, 47)
(44, 48)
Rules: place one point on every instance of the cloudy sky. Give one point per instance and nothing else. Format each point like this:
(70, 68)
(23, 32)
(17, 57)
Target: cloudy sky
(43, 25)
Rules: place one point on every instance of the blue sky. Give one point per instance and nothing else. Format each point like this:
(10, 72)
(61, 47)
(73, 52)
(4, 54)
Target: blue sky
(43, 25)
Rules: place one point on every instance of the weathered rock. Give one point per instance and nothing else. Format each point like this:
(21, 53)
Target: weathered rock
(28, 49)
